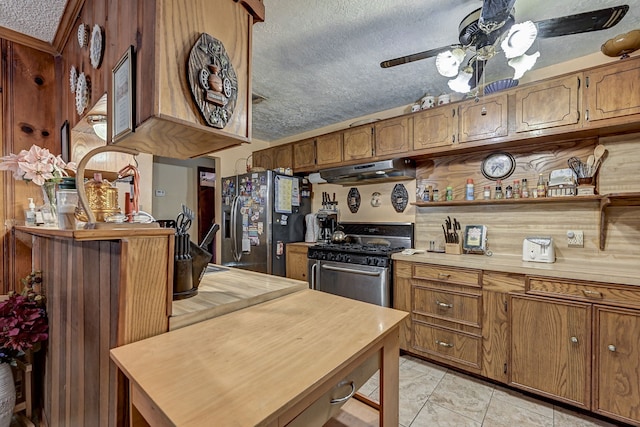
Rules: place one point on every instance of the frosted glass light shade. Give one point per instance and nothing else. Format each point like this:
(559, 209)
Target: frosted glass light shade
(461, 83)
(522, 64)
(99, 124)
(448, 62)
(519, 39)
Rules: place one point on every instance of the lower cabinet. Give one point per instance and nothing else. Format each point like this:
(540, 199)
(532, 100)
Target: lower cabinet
(296, 261)
(551, 348)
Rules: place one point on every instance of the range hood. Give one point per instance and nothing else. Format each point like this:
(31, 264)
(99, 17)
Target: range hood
(381, 171)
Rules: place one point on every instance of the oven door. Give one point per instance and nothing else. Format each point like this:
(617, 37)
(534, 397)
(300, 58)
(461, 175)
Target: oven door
(360, 282)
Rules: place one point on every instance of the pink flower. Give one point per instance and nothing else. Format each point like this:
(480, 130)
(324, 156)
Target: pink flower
(37, 165)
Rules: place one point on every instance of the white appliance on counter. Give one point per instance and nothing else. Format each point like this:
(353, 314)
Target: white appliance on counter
(538, 249)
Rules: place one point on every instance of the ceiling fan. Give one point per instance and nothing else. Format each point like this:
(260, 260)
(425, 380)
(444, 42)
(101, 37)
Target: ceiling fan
(485, 31)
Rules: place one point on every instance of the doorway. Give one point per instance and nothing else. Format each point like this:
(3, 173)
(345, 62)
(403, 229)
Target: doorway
(206, 205)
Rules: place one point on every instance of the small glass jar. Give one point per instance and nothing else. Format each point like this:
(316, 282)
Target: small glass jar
(435, 196)
(524, 191)
(508, 192)
(449, 193)
(516, 189)
(486, 193)
(498, 194)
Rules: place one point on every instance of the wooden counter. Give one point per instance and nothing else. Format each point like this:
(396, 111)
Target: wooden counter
(263, 365)
(224, 289)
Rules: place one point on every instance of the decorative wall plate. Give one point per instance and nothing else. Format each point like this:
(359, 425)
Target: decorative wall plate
(73, 78)
(498, 166)
(353, 200)
(83, 35)
(82, 94)
(375, 199)
(97, 46)
(399, 197)
(213, 81)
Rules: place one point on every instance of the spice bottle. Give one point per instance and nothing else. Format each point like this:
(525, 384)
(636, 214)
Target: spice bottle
(542, 189)
(469, 193)
(498, 194)
(435, 195)
(508, 193)
(525, 189)
(486, 194)
(449, 193)
(516, 189)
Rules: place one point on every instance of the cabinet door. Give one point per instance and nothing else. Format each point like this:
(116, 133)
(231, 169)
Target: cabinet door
(262, 159)
(435, 127)
(296, 262)
(612, 93)
(484, 119)
(548, 105)
(329, 149)
(551, 348)
(283, 156)
(617, 364)
(358, 143)
(393, 136)
(304, 154)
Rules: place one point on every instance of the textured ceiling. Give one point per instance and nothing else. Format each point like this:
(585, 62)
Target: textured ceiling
(317, 61)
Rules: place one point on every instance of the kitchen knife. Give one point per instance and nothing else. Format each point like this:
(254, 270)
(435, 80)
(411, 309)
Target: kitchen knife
(446, 236)
(209, 236)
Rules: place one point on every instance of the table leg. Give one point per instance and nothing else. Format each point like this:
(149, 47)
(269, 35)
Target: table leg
(389, 379)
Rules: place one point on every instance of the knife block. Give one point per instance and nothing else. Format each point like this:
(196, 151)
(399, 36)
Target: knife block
(453, 248)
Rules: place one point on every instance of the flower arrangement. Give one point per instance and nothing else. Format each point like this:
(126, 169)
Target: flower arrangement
(37, 165)
(23, 320)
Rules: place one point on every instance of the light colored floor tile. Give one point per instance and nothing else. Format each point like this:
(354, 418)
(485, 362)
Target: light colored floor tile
(503, 413)
(523, 401)
(371, 385)
(433, 415)
(563, 417)
(463, 394)
(422, 365)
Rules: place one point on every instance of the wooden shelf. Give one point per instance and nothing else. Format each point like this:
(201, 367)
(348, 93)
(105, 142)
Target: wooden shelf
(529, 200)
(614, 199)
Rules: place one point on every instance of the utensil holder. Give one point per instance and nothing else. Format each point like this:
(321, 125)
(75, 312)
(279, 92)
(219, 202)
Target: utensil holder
(453, 248)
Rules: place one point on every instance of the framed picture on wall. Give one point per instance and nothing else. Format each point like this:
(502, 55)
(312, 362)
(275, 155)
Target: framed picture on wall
(123, 92)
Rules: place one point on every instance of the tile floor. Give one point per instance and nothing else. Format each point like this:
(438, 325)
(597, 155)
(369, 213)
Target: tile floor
(434, 396)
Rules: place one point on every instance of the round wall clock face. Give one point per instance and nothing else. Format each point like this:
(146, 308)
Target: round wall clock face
(498, 166)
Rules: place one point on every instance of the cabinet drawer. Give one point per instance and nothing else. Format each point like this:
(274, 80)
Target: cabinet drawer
(585, 291)
(454, 346)
(445, 305)
(321, 410)
(446, 274)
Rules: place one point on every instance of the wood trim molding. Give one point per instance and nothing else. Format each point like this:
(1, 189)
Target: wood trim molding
(65, 28)
(25, 40)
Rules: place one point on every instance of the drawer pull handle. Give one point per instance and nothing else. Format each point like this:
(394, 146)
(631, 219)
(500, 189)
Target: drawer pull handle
(611, 347)
(348, 396)
(443, 304)
(443, 344)
(443, 276)
(591, 294)
(574, 340)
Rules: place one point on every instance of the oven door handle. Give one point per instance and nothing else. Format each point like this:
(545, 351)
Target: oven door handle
(350, 270)
(313, 275)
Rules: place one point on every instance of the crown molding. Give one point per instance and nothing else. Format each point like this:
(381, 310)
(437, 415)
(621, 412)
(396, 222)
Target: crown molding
(67, 21)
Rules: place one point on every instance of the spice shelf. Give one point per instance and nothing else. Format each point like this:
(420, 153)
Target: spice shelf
(614, 199)
(529, 200)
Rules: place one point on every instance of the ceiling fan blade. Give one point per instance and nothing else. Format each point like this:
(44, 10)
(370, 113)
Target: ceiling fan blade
(582, 22)
(415, 57)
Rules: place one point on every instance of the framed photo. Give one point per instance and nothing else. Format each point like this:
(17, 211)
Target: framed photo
(64, 141)
(123, 93)
(475, 239)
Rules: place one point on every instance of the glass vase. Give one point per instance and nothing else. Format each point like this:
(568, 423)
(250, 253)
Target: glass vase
(48, 210)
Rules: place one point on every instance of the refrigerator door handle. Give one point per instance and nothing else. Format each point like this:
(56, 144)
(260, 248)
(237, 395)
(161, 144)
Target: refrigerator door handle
(234, 234)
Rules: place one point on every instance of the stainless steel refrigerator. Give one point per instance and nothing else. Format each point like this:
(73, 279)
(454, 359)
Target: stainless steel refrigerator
(261, 213)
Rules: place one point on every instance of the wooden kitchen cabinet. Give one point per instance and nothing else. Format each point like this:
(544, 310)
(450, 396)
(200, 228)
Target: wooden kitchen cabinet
(329, 149)
(612, 94)
(358, 143)
(280, 156)
(551, 348)
(304, 155)
(435, 127)
(550, 104)
(393, 136)
(296, 261)
(484, 119)
(616, 347)
(402, 278)
(262, 159)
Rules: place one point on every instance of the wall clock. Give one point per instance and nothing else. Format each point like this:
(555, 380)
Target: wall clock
(498, 166)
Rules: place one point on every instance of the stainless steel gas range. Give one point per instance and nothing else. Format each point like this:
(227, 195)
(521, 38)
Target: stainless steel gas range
(362, 268)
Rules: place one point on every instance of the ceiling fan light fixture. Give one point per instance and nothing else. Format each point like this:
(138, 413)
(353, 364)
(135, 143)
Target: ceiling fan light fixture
(461, 83)
(522, 64)
(448, 62)
(519, 39)
(99, 124)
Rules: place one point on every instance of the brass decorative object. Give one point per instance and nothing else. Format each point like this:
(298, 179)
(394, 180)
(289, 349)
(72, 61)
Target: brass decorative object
(622, 44)
(213, 81)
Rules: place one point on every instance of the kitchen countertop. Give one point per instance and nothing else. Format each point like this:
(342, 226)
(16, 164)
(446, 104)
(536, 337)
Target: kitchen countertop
(225, 289)
(606, 272)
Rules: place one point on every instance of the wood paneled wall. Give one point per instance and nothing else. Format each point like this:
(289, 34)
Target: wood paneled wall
(509, 224)
(29, 93)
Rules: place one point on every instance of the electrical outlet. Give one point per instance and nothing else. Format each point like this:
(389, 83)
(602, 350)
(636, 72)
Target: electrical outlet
(575, 239)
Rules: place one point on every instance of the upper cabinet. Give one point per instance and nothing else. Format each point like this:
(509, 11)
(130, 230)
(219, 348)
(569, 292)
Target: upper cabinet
(167, 118)
(358, 143)
(612, 94)
(549, 104)
(280, 156)
(435, 127)
(304, 154)
(393, 136)
(329, 148)
(483, 119)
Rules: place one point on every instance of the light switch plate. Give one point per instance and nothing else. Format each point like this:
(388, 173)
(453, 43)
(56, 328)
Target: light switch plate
(575, 239)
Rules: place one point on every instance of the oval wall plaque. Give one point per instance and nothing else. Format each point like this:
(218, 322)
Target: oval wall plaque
(213, 81)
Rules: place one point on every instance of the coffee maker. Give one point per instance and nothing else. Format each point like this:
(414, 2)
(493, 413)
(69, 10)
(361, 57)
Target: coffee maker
(328, 223)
